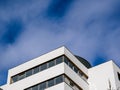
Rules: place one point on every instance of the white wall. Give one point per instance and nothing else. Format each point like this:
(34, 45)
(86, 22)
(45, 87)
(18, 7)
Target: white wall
(117, 81)
(100, 76)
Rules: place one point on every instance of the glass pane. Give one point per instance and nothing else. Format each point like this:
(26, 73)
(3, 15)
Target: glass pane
(28, 73)
(35, 88)
(14, 79)
(66, 60)
(51, 63)
(59, 79)
(36, 70)
(76, 69)
(59, 60)
(42, 86)
(71, 65)
(50, 83)
(44, 66)
(21, 76)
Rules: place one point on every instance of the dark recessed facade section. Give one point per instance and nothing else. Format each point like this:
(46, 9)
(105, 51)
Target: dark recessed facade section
(118, 75)
(83, 61)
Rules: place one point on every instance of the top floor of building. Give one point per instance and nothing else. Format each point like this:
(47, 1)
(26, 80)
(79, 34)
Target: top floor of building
(61, 55)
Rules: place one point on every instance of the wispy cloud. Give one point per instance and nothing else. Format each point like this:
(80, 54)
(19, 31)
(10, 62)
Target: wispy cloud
(88, 28)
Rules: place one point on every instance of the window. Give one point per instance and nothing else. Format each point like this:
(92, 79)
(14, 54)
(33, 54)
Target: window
(71, 84)
(44, 66)
(80, 73)
(36, 70)
(51, 63)
(59, 79)
(118, 75)
(15, 78)
(59, 60)
(42, 86)
(76, 69)
(35, 87)
(71, 65)
(66, 60)
(21, 75)
(50, 82)
(28, 73)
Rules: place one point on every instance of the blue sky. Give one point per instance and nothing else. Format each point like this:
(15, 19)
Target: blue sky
(30, 28)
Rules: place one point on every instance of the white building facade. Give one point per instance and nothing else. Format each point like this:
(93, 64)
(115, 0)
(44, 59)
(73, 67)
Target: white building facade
(105, 76)
(61, 70)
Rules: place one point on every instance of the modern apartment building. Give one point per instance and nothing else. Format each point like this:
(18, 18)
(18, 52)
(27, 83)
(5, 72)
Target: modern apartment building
(62, 70)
